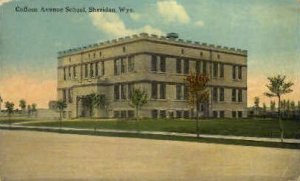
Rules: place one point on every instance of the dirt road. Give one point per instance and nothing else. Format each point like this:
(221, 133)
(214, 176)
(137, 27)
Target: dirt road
(26, 155)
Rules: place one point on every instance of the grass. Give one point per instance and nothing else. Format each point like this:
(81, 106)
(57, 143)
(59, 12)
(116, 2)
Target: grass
(174, 138)
(244, 127)
(6, 120)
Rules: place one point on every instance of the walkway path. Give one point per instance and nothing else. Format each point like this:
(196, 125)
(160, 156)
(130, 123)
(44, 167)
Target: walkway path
(154, 133)
(31, 155)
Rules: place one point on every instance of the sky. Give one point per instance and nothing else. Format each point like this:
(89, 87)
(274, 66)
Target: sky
(29, 41)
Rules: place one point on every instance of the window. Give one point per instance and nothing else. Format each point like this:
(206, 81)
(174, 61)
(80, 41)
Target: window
(130, 114)
(94, 55)
(182, 51)
(186, 114)
(124, 49)
(181, 92)
(69, 72)
(240, 95)
(178, 92)
(221, 94)
(153, 63)
(240, 72)
(74, 71)
(204, 67)
(85, 70)
(233, 72)
(163, 114)
(215, 114)
(116, 92)
(201, 54)
(123, 91)
(69, 96)
(130, 63)
(162, 91)
(64, 95)
(130, 89)
(163, 64)
(154, 113)
(100, 54)
(240, 114)
(186, 66)
(65, 78)
(233, 96)
(116, 72)
(198, 67)
(178, 114)
(123, 114)
(222, 70)
(219, 56)
(102, 68)
(116, 114)
(91, 70)
(154, 91)
(222, 114)
(122, 65)
(185, 92)
(96, 68)
(233, 114)
(215, 70)
(215, 94)
(178, 66)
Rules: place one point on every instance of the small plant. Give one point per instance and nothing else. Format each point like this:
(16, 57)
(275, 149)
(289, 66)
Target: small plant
(138, 99)
(61, 105)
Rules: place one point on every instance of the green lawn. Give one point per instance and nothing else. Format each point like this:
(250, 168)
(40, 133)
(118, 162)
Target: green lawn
(243, 127)
(5, 120)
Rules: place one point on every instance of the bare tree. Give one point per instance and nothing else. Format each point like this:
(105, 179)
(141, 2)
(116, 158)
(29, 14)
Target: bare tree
(198, 93)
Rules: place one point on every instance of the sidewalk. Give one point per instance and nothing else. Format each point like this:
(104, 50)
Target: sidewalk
(154, 133)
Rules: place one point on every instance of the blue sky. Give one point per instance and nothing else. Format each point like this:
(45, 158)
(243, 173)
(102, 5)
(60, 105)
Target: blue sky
(268, 29)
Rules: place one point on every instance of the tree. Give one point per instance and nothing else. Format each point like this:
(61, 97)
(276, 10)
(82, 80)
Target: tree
(93, 100)
(264, 109)
(198, 93)
(33, 109)
(288, 108)
(293, 108)
(137, 100)
(9, 108)
(61, 105)
(22, 105)
(278, 86)
(101, 101)
(29, 110)
(1, 101)
(256, 102)
(272, 106)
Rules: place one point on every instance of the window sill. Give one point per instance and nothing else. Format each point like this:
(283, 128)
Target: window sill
(237, 80)
(163, 100)
(158, 72)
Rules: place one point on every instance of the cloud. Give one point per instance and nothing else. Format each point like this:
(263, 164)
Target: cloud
(112, 24)
(135, 16)
(4, 1)
(172, 12)
(199, 23)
